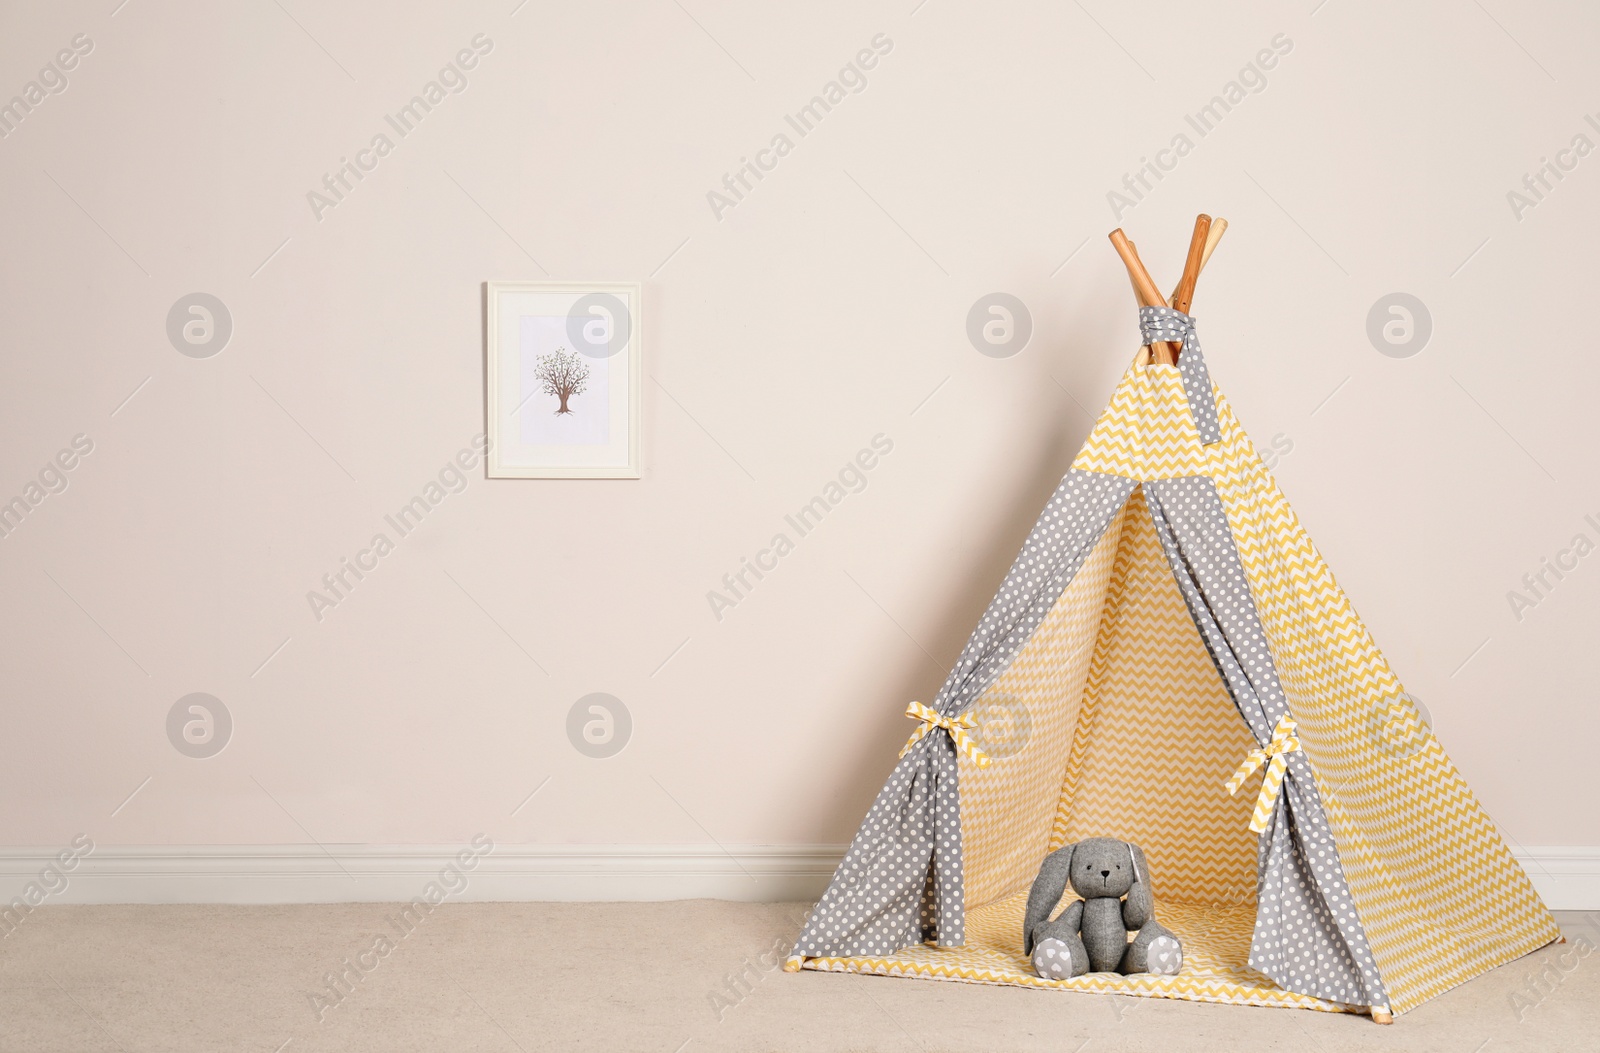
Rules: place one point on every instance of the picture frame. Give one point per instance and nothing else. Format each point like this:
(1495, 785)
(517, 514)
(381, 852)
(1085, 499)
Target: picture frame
(564, 380)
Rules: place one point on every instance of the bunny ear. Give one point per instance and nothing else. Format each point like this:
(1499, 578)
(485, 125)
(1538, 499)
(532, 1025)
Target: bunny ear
(1140, 906)
(1046, 892)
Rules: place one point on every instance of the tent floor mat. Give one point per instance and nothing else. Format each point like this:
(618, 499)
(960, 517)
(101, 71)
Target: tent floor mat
(1216, 946)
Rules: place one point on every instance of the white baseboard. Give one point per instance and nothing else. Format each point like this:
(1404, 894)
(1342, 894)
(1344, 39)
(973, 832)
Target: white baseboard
(395, 873)
(1567, 877)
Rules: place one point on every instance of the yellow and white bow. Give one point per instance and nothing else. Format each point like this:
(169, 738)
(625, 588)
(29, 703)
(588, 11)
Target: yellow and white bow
(956, 726)
(1275, 756)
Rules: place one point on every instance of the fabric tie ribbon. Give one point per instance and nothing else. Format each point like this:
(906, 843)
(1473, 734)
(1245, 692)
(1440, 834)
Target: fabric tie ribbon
(1164, 323)
(956, 726)
(1275, 755)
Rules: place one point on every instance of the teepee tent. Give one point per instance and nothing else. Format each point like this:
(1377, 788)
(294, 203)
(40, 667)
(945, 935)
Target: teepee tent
(1169, 624)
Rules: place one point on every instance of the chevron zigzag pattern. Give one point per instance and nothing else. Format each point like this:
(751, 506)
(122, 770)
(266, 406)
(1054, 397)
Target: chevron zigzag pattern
(1159, 737)
(1216, 940)
(1439, 892)
(1131, 733)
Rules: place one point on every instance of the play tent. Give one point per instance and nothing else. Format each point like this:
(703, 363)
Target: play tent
(1169, 625)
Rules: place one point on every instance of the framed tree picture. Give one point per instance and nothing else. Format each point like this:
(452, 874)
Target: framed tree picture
(565, 380)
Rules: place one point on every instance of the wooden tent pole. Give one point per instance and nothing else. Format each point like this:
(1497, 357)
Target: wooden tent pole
(1141, 277)
(1144, 290)
(1183, 295)
(1164, 351)
(1138, 296)
(1219, 227)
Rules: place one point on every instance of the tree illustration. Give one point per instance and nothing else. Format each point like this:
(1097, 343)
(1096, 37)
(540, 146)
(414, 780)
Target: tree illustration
(563, 375)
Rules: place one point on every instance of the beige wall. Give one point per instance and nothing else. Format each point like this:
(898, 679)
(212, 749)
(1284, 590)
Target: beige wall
(783, 335)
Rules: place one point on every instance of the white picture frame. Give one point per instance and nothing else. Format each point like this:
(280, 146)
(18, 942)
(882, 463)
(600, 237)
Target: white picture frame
(564, 380)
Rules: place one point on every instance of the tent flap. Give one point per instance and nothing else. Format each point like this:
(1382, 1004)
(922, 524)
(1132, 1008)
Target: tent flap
(915, 821)
(1308, 936)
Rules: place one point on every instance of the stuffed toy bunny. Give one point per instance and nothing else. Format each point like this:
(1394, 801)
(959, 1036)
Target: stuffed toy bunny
(1091, 934)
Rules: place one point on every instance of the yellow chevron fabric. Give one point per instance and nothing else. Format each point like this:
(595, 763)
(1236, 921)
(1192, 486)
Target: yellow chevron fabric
(1216, 944)
(1158, 737)
(1439, 893)
(1147, 433)
(1130, 733)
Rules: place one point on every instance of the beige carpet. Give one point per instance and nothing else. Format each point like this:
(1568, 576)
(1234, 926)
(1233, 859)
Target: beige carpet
(665, 977)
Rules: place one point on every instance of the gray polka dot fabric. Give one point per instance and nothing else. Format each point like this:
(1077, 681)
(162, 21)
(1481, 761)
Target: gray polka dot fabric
(1163, 323)
(1308, 937)
(900, 882)
(1165, 957)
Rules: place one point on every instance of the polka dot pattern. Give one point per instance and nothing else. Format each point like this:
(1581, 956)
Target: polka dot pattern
(1052, 959)
(1215, 943)
(1163, 323)
(901, 880)
(1308, 937)
(1008, 808)
(1166, 957)
(1443, 899)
